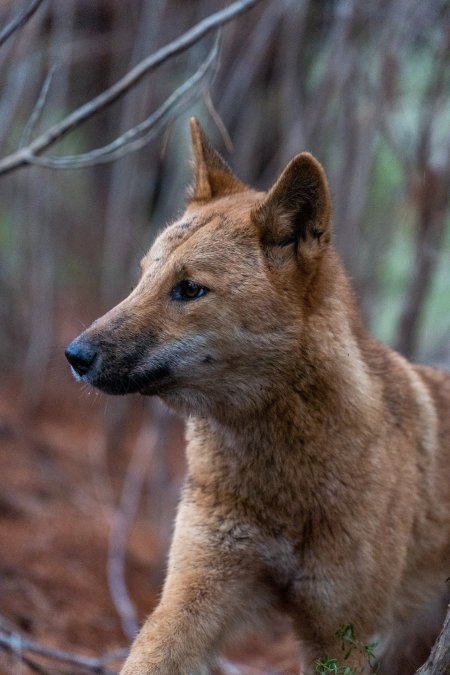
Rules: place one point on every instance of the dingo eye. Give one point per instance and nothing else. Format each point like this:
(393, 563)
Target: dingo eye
(187, 290)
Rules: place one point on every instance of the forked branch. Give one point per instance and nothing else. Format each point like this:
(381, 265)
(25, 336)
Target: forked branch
(138, 136)
(25, 650)
(28, 154)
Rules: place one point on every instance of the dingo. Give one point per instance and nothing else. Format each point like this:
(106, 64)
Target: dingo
(318, 459)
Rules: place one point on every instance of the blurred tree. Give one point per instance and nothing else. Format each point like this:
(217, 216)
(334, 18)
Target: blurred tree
(365, 86)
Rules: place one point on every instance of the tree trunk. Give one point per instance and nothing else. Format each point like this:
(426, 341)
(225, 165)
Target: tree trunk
(438, 663)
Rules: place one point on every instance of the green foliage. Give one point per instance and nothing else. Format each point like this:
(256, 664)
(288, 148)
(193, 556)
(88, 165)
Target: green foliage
(325, 666)
(349, 643)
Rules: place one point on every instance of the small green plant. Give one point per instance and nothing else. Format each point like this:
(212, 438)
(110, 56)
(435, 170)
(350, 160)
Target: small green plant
(331, 666)
(349, 643)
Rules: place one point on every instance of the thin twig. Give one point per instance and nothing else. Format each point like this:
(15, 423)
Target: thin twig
(38, 108)
(138, 136)
(218, 121)
(133, 484)
(19, 20)
(25, 155)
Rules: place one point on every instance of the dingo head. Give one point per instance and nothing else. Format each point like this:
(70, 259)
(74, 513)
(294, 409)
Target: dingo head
(224, 295)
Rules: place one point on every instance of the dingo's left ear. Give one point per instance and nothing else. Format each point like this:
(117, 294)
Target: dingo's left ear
(213, 177)
(296, 211)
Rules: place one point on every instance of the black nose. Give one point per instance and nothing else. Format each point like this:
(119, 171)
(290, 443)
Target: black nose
(81, 355)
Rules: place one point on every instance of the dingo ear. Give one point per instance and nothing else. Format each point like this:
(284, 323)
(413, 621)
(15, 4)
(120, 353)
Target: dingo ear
(295, 214)
(212, 175)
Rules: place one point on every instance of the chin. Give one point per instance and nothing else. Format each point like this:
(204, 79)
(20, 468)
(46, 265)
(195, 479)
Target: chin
(185, 402)
(154, 389)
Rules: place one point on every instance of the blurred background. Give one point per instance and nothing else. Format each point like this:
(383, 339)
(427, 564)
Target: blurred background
(90, 483)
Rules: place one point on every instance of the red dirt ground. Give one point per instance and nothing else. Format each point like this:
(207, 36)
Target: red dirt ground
(61, 477)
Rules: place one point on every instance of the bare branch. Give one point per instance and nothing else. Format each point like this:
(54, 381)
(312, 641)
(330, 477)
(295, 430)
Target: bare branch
(19, 645)
(25, 155)
(138, 136)
(19, 20)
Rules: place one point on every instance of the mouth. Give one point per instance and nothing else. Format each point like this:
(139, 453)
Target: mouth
(149, 383)
(116, 376)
